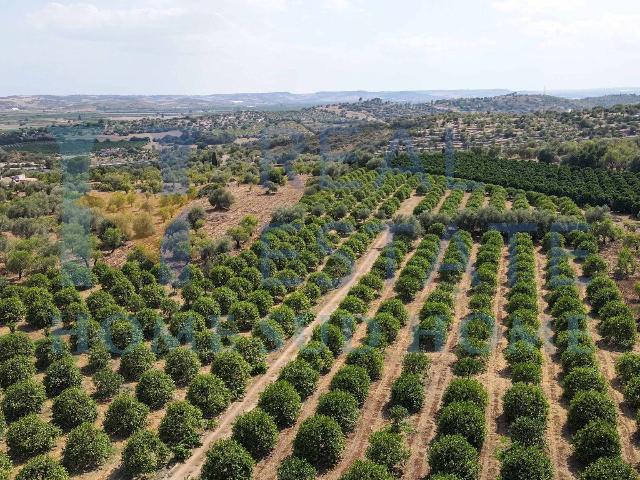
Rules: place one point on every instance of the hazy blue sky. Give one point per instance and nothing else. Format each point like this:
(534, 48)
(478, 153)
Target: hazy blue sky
(225, 46)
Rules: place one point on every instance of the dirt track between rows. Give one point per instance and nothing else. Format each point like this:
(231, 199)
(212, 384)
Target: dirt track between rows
(440, 374)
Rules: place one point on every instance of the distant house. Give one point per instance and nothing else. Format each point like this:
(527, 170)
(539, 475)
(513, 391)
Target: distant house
(22, 178)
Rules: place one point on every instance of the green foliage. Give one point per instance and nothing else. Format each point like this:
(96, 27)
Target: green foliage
(256, 432)
(182, 364)
(125, 415)
(366, 470)
(463, 418)
(452, 454)
(107, 383)
(588, 406)
(136, 360)
(466, 390)
(233, 370)
(16, 369)
(227, 460)
(210, 394)
(87, 448)
(352, 379)
(180, 425)
(320, 441)
(524, 400)
(369, 358)
(72, 408)
(520, 462)
(597, 439)
(300, 374)
(155, 388)
(253, 351)
(42, 467)
(31, 435)
(281, 400)
(408, 391)
(294, 468)
(317, 355)
(340, 406)
(144, 453)
(609, 469)
(388, 448)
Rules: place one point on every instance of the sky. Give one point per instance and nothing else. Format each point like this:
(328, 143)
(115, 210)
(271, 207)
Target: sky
(231, 46)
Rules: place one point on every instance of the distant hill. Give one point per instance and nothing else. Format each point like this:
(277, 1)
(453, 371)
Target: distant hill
(460, 100)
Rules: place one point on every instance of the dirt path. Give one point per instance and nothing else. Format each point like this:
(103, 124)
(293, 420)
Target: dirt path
(496, 380)
(440, 375)
(558, 436)
(372, 417)
(606, 357)
(192, 466)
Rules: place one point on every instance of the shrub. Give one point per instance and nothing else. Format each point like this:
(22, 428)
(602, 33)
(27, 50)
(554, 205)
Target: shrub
(528, 431)
(17, 343)
(99, 357)
(352, 379)
(233, 370)
(227, 460)
(256, 432)
(609, 469)
(588, 406)
(206, 344)
(620, 331)
(245, 314)
(125, 415)
(300, 374)
(353, 305)
(388, 449)
(285, 317)
(144, 453)
(628, 366)
(320, 441)
(180, 425)
(526, 372)
(136, 360)
(209, 393)
(519, 462)
(331, 335)
(583, 378)
(87, 448)
(317, 355)
(42, 467)
(407, 391)
(281, 400)
(72, 408)
(463, 418)
(5, 466)
(182, 365)
(452, 454)
(49, 349)
(466, 390)
(294, 468)
(270, 332)
(417, 363)
(107, 383)
(155, 388)
(342, 407)
(369, 358)
(597, 439)
(61, 375)
(366, 470)
(16, 369)
(632, 392)
(523, 400)
(31, 435)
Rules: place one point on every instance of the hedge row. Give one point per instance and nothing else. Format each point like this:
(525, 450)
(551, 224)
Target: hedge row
(498, 198)
(520, 201)
(592, 412)
(525, 406)
(476, 199)
(477, 329)
(436, 315)
(452, 202)
(437, 186)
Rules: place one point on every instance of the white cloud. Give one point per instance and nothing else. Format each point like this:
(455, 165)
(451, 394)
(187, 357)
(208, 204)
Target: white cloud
(539, 7)
(77, 16)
